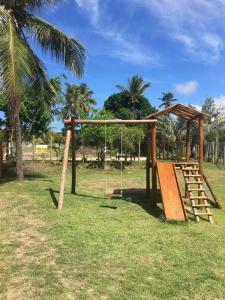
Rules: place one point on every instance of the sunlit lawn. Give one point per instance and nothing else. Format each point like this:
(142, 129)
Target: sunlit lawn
(101, 248)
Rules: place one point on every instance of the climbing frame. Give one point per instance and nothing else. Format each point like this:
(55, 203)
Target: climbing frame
(196, 191)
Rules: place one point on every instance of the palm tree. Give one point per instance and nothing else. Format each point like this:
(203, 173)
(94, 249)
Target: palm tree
(135, 90)
(20, 68)
(78, 101)
(167, 100)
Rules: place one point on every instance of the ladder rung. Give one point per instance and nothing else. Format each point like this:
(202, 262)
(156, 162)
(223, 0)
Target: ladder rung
(190, 169)
(196, 190)
(203, 213)
(192, 175)
(201, 205)
(194, 182)
(187, 164)
(199, 197)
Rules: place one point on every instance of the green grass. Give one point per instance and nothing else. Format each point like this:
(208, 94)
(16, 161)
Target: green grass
(98, 248)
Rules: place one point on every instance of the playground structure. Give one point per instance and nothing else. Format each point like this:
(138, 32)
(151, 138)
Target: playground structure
(193, 172)
(70, 135)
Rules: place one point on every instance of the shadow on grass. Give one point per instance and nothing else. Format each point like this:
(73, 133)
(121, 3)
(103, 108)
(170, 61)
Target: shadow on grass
(90, 196)
(52, 194)
(10, 176)
(108, 206)
(139, 197)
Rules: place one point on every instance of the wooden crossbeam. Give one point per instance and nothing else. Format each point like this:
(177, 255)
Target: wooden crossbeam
(105, 122)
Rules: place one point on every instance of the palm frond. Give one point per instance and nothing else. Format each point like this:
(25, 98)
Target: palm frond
(14, 65)
(121, 88)
(60, 46)
(19, 67)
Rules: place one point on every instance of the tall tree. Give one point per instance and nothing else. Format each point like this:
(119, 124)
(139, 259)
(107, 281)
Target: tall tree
(37, 110)
(78, 101)
(119, 104)
(20, 68)
(209, 107)
(167, 100)
(135, 90)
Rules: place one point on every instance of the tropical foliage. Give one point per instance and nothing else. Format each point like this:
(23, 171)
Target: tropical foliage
(78, 101)
(20, 68)
(134, 93)
(107, 139)
(167, 100)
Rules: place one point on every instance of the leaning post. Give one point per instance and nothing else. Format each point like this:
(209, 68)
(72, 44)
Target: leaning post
(64, 168)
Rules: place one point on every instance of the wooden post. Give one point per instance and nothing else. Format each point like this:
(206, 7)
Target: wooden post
(163, 150)
(188, 149)
(50, 147)
(148, 159)
(33, 147)
(223, 154)
(188, 142)
(201, 145)
(139, 150)
(73, 185)
(64, 169)
(154, 160)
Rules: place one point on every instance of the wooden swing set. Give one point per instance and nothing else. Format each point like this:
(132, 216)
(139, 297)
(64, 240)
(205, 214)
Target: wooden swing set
(71, 137)
(194, 177)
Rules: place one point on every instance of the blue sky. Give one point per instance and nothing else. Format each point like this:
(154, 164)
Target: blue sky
(177, 45)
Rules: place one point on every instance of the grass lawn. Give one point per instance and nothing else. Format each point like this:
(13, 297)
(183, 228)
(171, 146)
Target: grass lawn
(99, 248)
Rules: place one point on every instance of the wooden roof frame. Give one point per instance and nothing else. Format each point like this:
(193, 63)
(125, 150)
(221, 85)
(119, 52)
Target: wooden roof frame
(182, 111)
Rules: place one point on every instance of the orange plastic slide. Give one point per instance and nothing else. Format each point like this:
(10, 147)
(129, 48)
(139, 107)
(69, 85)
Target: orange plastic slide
(170, 192)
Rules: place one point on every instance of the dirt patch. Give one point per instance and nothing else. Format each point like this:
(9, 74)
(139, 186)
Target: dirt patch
(22, 244)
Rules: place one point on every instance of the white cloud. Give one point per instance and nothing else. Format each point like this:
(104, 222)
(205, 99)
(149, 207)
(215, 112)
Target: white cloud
(198, 107)
(120, 43)
(91, 7)
(220, 102)
(125, 49)
(193, 23)
(187, 88)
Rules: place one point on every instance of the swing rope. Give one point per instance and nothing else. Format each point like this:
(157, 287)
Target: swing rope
(121, 163)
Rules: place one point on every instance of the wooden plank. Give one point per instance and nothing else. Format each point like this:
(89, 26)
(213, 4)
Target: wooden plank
(103, 122)
(162, 112)
(148, 159)
(192, 175)
(196, 189)
(73, 141)
(188, 142)
(170, 192)
(154, 162)
(64, 169)
(201, 145)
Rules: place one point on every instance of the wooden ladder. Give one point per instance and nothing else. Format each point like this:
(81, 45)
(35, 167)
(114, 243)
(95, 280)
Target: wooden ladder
(196, 192)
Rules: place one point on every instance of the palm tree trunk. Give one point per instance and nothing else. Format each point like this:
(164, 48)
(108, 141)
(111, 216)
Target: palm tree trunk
(19, 150)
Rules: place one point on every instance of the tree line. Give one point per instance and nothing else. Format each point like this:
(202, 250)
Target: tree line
(30, 100)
